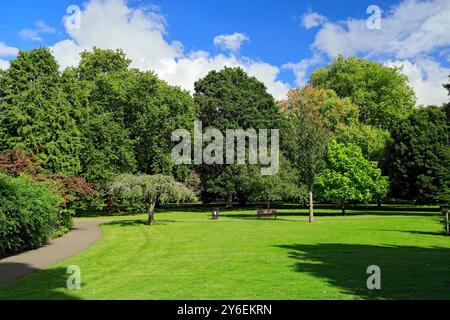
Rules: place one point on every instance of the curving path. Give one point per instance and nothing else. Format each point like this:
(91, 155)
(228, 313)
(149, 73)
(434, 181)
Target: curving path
(83, 235)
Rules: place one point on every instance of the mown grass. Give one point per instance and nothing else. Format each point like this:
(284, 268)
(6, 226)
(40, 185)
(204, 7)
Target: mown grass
(188, 256)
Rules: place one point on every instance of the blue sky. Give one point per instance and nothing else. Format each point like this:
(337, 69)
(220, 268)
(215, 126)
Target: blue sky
(280, 42)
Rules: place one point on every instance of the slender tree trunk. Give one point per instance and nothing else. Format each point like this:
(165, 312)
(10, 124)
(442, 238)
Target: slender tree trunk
(151, 214)
(311, 207)
(379, 203)
(268, 204)
(230, 203)
(343, 208)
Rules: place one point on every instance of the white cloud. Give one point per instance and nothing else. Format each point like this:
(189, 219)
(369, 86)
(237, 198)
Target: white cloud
(4, 64)
(29, 34)
(410, 29)
(301, 69)
(312, 20)
(232, 42)
(35, 34)
(7, 51)
(410, 33)
(42, 27)
(426, 77)
(111, 24)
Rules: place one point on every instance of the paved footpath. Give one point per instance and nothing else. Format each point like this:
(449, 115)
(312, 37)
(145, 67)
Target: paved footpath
(83, 235)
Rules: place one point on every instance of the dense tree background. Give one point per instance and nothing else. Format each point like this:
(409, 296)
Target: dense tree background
(35, 113)
(230, 99)
(102, 119)
(418, 160)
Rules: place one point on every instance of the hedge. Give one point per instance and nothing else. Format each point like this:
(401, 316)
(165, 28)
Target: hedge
(29, 214)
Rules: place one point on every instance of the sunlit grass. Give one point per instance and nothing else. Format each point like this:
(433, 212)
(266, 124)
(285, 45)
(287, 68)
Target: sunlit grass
(188, 256)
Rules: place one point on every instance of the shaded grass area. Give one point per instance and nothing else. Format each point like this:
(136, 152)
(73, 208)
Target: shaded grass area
(188, 256)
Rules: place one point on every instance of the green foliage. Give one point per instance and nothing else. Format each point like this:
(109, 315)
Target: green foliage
(100, 61)
(132, 115)
(35, 112)
(348, 176)
(64, 223)
(418, 160)
(373, 141)
(29, 214)
(166, 110)
(284, 186)
(107, 148)
(230, 99)
(307, 131)
(381, 93)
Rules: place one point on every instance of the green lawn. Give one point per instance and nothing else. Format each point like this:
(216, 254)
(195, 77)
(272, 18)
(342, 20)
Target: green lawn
(187, 256)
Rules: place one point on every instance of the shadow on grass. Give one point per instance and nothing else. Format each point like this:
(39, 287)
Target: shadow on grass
(427, 233)
(406, 272)
(48, 284)
(136, 223)
(334, 214)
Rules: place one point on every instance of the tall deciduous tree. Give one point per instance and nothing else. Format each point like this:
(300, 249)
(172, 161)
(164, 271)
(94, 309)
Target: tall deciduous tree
(151, 190)
(230, 99)
(146, 110)
(381, 92)
(348, 176)
(313, 115)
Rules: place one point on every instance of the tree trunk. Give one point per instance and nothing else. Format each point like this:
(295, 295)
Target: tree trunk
(379, 203)
(243, 200)
(268, 204)
(311, 207)
(343, 208)
(230, 203)
(151, 214)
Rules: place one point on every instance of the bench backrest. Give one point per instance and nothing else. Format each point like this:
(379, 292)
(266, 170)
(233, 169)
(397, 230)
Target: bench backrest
(267, 211)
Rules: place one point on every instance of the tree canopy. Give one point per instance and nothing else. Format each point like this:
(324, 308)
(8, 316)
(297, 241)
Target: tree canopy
(348, 176)
(418, 159)
(35, 113)
(382, 93)
(230, 99)
(152, 190)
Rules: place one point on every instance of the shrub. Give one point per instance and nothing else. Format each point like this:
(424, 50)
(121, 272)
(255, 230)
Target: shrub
(64, 223)
(28, 214)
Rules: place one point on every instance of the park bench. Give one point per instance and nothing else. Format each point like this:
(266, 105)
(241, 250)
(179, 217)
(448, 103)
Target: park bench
(263, 213)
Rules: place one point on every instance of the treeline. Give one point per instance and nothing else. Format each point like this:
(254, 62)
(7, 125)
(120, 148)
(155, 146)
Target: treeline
(354, 134)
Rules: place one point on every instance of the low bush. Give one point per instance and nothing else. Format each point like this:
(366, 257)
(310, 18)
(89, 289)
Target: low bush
(29, 214)
(64, 223)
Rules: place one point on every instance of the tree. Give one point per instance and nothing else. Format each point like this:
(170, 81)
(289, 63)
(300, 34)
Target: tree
(418, 159)
(230, 99)
(313, 115)
(151, 190)
(282, 186)
(348, 176)
(100, 62)
(143, 112)
(373, 141)
(381, 93)
(35, 112)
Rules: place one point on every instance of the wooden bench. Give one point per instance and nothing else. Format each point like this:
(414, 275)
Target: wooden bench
(263, 213)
